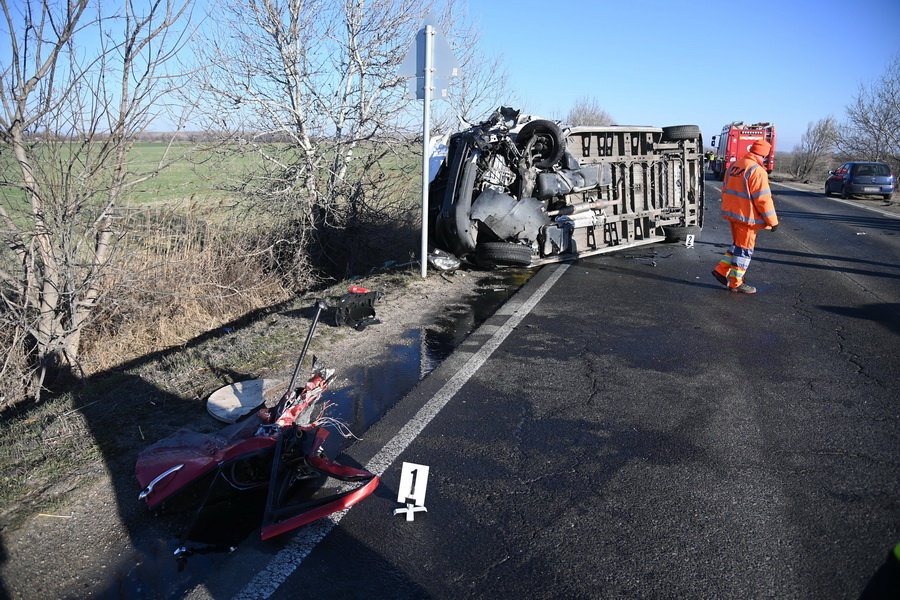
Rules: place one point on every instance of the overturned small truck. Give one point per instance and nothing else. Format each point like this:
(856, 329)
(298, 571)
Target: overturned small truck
(516, 190)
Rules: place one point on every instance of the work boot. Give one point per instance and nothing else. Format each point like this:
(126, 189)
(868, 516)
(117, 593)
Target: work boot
(720, 278)
(744, 289)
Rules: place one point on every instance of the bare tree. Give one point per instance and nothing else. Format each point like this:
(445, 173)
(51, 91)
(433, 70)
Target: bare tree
(819, 140)
(322, 79)
(587, 111)
(483, 85)
(872, 131)
(82, 81)
(477, 93)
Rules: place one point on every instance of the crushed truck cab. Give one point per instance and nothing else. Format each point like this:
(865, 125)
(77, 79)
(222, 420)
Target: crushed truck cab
(517, 190)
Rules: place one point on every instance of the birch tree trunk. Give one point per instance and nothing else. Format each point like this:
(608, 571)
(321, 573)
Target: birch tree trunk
(81, 82)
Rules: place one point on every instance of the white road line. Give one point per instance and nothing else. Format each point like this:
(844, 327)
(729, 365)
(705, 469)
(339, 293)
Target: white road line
(288, 559)
(883, 213)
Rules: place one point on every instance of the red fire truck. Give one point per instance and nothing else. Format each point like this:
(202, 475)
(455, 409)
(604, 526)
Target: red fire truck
(735, 140)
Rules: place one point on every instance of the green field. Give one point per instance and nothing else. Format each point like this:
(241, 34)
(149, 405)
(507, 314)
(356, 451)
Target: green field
(189, 173)
(179, 172)
(214, 174)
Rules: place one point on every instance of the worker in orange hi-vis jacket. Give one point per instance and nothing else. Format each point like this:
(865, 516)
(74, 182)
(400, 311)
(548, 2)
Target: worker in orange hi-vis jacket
(747, 204)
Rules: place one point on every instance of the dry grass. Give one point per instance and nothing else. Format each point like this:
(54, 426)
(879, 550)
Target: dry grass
(40, 449)
(183, 275)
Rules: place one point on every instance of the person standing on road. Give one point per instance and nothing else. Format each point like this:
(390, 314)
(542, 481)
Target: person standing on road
(747, 204)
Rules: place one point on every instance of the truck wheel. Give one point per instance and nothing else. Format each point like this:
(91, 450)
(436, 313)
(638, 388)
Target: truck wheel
(547, 148)
(492, 254)
(679, 234)
(675, 133)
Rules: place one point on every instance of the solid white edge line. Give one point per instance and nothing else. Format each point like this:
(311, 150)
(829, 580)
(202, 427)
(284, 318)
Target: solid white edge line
(283, 564)
(841, 200)
(883, 213)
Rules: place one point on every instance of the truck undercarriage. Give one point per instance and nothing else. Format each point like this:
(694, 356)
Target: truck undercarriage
(520, 190)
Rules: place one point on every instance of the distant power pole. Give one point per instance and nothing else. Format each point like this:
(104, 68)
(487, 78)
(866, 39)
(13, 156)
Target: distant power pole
(429, 58)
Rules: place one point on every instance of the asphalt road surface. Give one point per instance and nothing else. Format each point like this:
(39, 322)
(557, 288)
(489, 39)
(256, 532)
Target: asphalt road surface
(624, 427)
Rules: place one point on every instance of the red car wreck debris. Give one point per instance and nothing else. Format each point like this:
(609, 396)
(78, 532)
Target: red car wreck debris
(278, 449)
(517, 190)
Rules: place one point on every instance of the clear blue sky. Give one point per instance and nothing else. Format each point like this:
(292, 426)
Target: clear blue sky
(674, 62)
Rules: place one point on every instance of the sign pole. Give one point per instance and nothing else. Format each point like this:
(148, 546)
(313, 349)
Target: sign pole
(429, 58)
(426, 141)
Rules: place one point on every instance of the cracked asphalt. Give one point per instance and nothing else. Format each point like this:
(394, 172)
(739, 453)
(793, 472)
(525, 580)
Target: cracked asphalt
(642, 432)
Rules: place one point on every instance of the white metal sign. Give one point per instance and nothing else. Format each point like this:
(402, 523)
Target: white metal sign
(430, 57)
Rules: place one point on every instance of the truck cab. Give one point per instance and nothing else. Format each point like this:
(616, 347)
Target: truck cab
(734, 142)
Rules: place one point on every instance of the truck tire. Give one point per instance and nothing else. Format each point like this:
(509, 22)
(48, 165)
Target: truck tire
(492, 254)
(676, 133)
(548, 147)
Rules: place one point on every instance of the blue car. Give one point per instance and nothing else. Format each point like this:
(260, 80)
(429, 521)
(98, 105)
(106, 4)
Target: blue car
(860, 179)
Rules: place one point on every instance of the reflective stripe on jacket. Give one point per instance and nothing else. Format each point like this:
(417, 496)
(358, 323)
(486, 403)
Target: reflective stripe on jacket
(746, 197)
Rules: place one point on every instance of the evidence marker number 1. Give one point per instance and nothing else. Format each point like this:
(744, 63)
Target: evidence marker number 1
(413, 481)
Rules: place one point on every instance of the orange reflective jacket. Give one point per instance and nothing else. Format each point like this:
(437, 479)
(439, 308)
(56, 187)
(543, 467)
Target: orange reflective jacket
(746, 197)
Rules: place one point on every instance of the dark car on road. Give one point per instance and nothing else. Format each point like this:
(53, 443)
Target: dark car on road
(861, 178)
